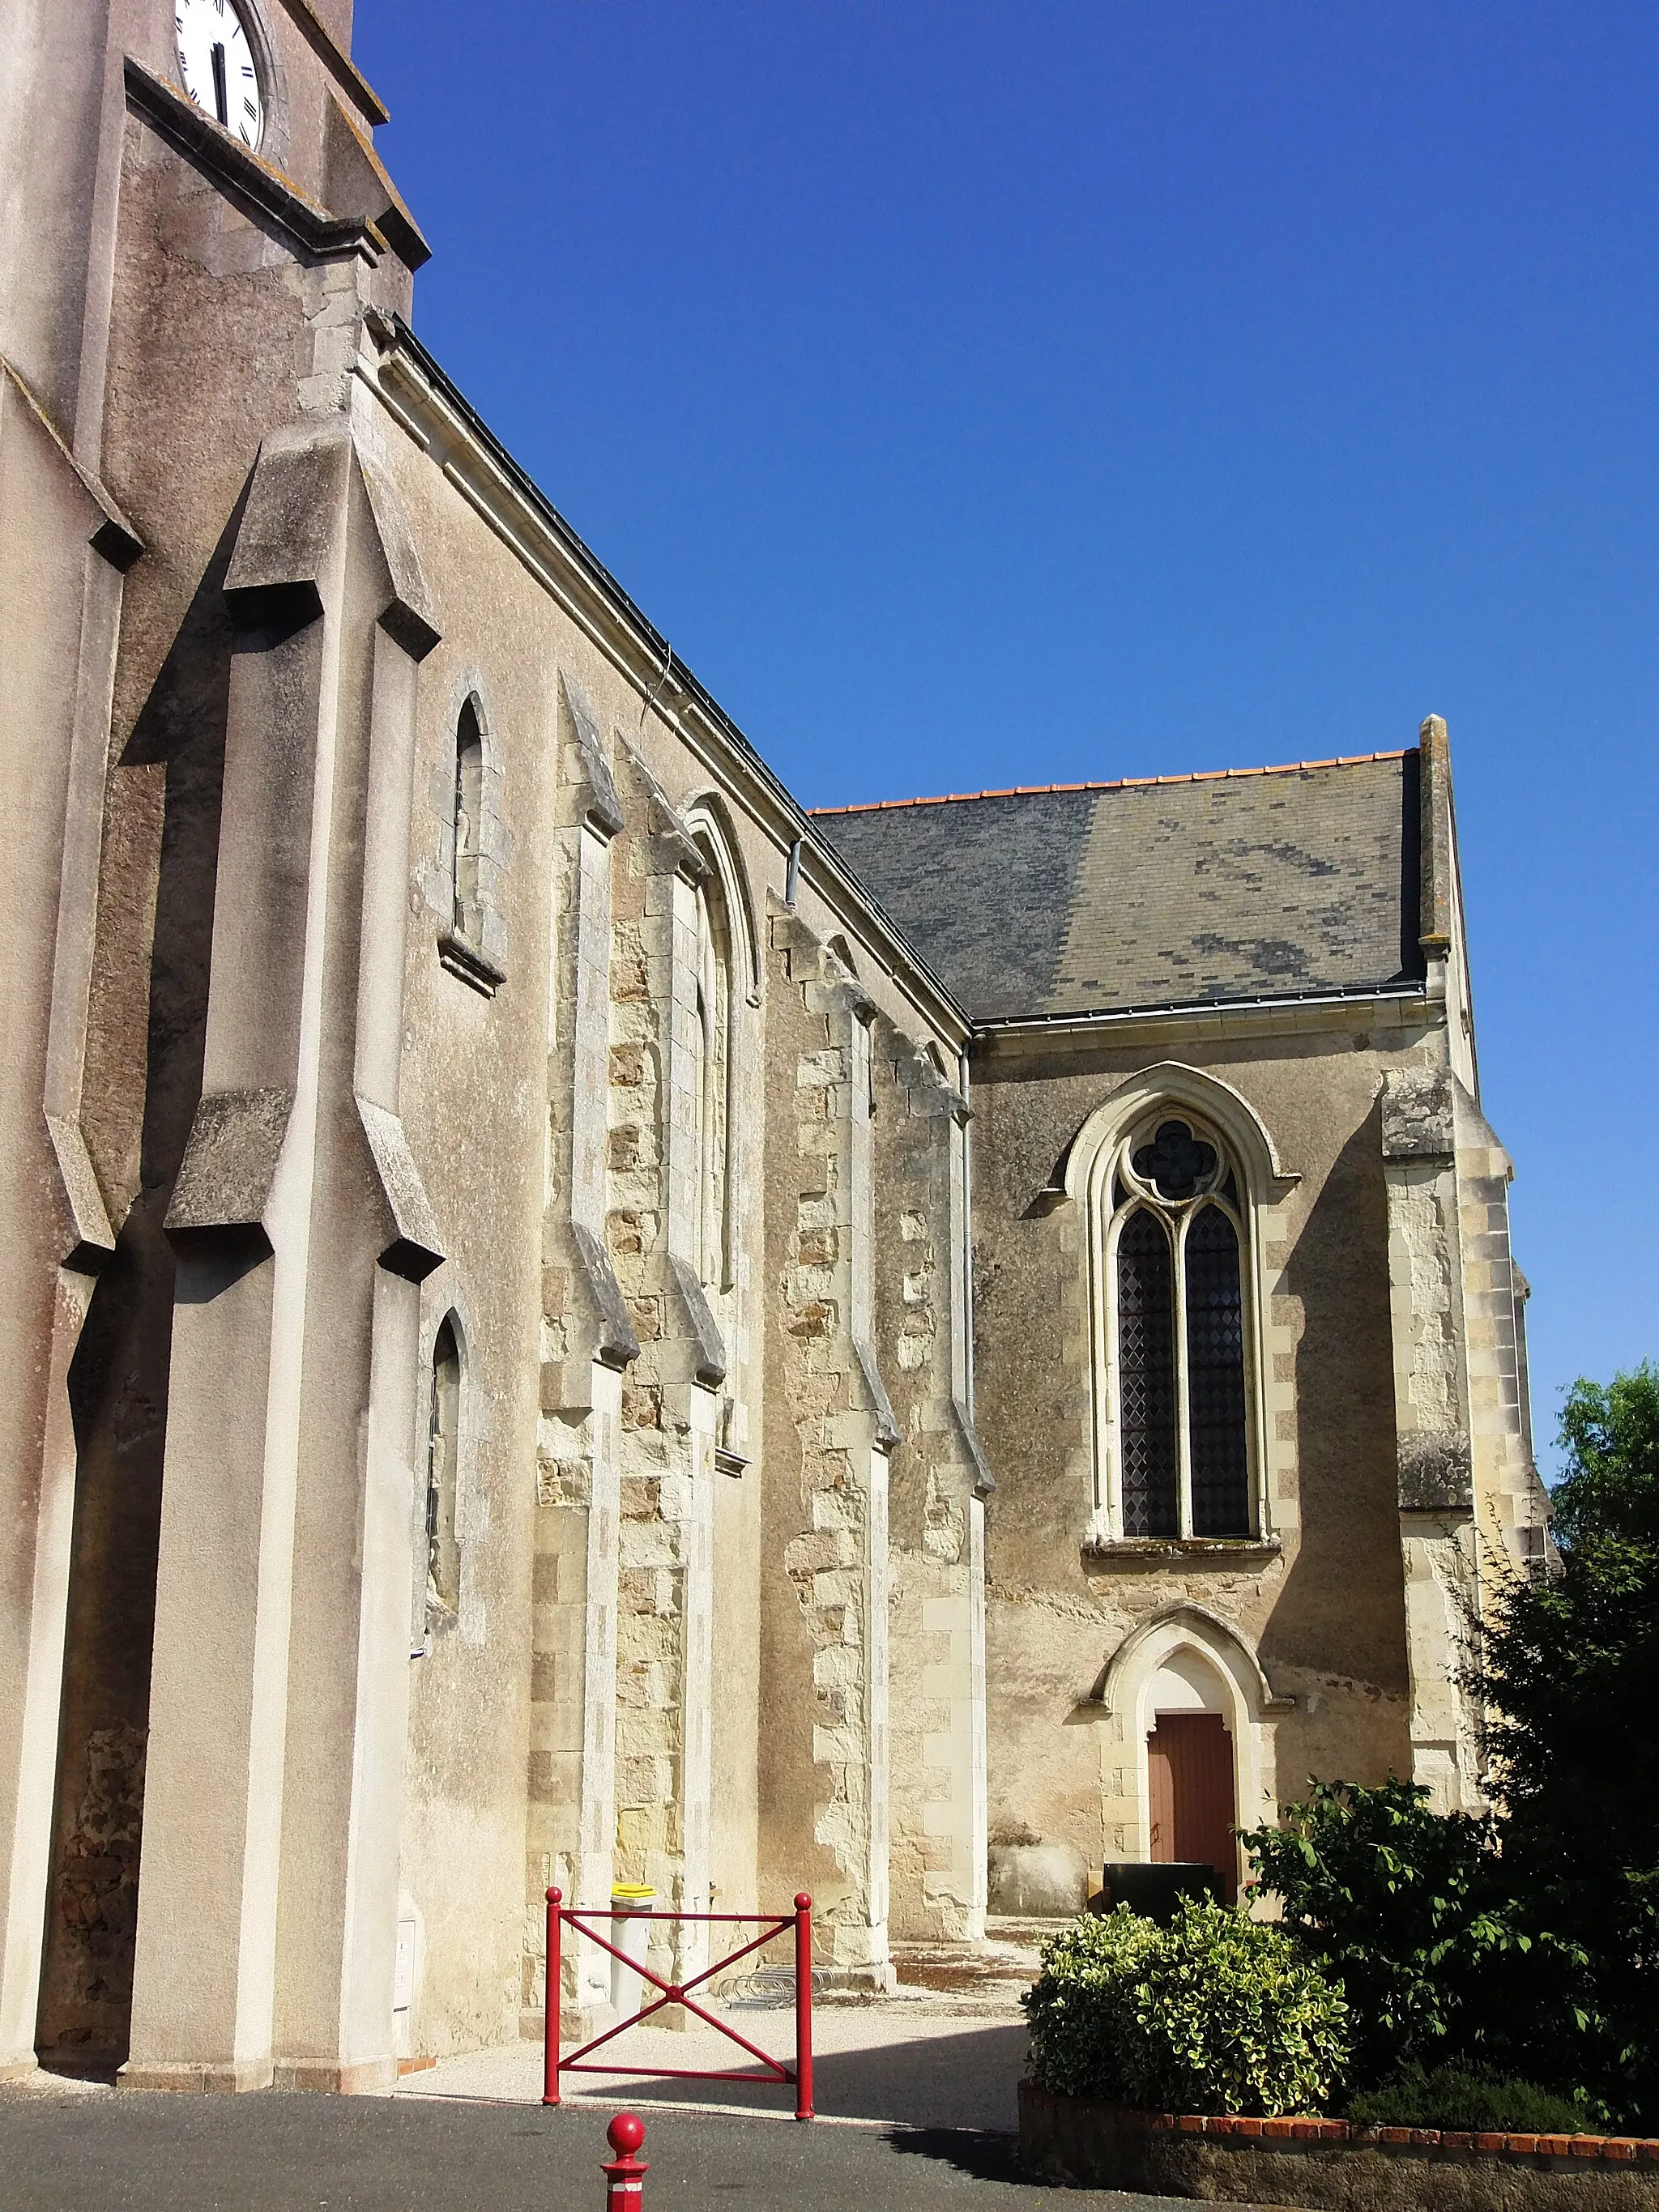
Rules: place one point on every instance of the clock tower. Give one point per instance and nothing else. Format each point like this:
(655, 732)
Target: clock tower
(197, 229)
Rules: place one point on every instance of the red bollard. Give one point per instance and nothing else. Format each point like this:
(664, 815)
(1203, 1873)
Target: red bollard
(624, 2179)
(802, 2007)
(555, 1996)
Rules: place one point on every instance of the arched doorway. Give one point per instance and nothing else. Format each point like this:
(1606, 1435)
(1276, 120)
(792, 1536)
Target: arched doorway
(1191, 1770)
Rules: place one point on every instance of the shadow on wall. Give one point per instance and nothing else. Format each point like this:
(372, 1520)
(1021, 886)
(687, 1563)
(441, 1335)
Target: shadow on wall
(172, 767)
(1346, 1591)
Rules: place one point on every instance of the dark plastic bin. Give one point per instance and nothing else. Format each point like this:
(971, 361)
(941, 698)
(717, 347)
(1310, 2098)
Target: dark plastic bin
(1154, 1889)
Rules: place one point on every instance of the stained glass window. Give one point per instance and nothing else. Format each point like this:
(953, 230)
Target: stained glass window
(1182, 1428)
(1215, 1377)
(1177, 1163)
(1147, 1378)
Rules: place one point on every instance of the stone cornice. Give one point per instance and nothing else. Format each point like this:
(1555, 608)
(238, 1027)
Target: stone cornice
(1386, 1007)
(258, 184)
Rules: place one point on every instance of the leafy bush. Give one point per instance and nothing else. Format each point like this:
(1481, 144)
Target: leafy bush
(1081, 2006)
(1407, 1907)
(1471, 2098)
(1215, 2014)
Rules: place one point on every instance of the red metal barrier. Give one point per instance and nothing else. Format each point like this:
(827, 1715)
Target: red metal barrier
(771, 1925)
(625, 2177)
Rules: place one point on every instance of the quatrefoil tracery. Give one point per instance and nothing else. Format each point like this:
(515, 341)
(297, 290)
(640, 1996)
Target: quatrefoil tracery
(1176, 1164)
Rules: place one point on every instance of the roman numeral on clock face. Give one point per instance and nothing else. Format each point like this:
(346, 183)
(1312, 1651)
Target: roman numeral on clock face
(212, 45)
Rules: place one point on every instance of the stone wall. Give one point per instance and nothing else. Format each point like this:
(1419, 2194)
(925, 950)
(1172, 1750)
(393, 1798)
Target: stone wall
(1310, 1615)
(1330, 2165)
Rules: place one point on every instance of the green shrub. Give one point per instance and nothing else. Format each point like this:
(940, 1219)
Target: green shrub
(1469, 2098)
(1215, 2014)
(1080, 2006)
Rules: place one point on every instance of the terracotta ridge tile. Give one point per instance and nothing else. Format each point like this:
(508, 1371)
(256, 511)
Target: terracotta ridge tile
(1118, 783)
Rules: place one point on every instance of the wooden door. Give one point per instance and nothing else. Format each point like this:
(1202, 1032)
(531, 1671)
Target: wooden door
(1190, 1774)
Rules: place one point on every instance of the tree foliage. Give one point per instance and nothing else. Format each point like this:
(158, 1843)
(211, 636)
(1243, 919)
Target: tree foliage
(1407, 1907)
(1524, 1942)
(1568, 1671)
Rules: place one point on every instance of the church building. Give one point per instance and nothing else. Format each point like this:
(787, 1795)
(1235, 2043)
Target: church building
(576, 1322)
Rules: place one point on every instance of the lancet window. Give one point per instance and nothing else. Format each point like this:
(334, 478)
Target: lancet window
(469, 823)
(1175, 1242)
(713, 1083)
(473, 937)
(443, 1554)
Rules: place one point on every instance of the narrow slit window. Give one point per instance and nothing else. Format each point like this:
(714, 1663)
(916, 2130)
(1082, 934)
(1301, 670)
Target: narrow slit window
(443, 1553)
(713, 1036)
(469, 821)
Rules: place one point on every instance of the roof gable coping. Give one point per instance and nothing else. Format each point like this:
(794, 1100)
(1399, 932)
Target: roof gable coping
(1117, 783)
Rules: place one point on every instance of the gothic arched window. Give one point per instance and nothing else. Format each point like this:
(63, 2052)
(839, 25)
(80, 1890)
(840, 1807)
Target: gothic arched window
(443, 1552)
(1178, 1417)
(469, 821)
(713, 1083)
(472, 938)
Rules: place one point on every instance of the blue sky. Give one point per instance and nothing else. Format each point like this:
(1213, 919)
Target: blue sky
(982, 394)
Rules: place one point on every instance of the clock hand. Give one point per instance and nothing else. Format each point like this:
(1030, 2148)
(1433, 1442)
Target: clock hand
(220, 99)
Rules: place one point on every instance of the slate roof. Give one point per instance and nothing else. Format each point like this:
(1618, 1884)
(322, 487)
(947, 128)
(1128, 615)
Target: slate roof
(1079, 898)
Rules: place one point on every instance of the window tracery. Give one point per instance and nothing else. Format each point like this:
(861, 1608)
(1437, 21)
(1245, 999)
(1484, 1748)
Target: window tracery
(1178, 1418)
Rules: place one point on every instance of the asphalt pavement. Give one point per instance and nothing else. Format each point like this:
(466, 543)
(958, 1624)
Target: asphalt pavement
(917, 2095)
(133, 2151)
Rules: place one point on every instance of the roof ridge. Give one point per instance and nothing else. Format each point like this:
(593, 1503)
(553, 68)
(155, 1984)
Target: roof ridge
(1118, 783)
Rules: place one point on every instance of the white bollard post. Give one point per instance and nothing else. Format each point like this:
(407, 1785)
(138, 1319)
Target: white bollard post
(631, 1906)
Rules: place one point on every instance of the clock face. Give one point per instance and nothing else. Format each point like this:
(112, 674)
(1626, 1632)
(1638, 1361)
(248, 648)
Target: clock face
(215, 60)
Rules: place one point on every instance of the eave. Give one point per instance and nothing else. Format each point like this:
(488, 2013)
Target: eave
(418, 396)
(1410, 1004)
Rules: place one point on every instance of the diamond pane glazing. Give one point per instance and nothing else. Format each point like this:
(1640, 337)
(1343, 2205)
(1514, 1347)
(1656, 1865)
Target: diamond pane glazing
(1147, 1393)
(1215, 1378)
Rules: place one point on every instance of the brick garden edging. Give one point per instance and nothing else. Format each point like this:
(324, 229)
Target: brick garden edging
(1331, 2166)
